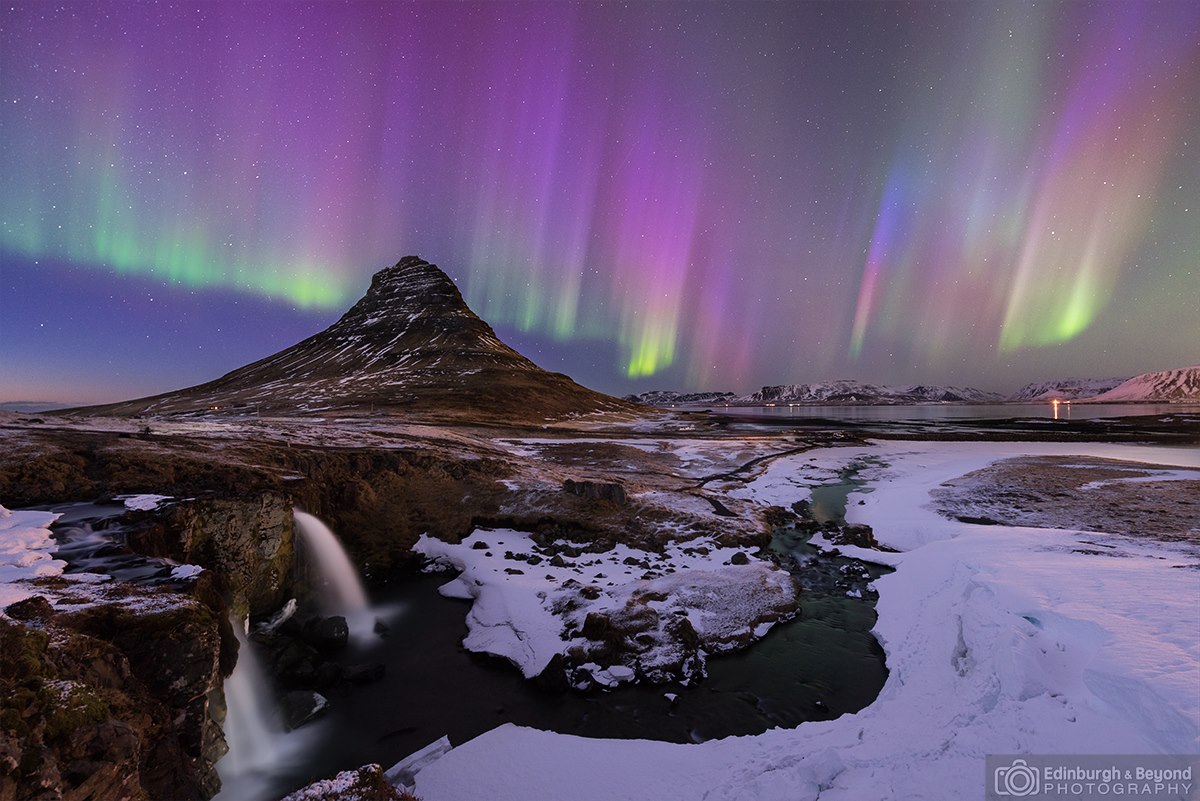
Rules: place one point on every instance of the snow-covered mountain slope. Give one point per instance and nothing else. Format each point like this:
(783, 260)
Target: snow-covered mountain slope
(1065, 389)
(851, 392)
(410, 343)
(1177, 386)
(666, 397)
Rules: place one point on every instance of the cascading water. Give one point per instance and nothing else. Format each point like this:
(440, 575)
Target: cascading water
(343, 592)
(252, 728)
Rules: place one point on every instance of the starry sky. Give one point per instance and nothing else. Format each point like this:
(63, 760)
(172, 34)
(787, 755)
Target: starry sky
(643, 195)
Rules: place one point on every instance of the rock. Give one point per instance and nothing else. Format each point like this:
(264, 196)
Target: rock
(596, 625)
(803, 510)
(301, 706)
(858, 535)
(480, 545)
(327, 634)
(534, 560)
(362, 784)
(33, 608)
(778, 517)
(596, 490)
(740, 558)
(558, 561)
(553, 678)
(111, 700)
(512, 571)
(249, 542)
(590, 591)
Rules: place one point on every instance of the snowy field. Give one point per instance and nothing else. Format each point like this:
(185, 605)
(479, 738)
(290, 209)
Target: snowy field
(999, 639)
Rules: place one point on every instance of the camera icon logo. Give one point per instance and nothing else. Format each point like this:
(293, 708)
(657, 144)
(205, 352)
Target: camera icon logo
(1017, 780)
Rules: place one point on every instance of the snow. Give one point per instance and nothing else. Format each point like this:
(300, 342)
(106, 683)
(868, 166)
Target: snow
(401, 774)
(520, 611)
(142, 503)
(26, 552)
(349, 785)
(999, 640)
(186, 571)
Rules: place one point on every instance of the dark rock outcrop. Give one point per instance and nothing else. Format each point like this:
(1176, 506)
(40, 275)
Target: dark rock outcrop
(248, 542)
(119, 699)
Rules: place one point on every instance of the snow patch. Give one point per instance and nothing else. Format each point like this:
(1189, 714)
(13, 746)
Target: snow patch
(26, 552)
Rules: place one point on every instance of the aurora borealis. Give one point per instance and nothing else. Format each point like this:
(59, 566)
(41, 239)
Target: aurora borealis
(643, 195)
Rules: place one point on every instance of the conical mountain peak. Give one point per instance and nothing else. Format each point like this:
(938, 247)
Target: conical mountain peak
(410, 343)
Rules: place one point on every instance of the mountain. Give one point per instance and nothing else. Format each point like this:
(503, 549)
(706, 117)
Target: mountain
(1175, 386)
(1065, 389)
(411, 344)
(665, 397)
(31, 407)
(856, 392)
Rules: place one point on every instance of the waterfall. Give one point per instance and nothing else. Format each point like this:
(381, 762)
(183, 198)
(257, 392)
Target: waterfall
(252, 729)
(343, 590)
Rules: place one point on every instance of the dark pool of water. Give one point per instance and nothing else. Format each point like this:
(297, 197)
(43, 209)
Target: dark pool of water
(820, 665)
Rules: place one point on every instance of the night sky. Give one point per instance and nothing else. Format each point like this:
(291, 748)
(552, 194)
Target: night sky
(643, 195)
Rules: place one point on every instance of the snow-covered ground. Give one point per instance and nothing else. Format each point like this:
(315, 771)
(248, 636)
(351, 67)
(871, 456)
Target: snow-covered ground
(26, 552)
(999, 640)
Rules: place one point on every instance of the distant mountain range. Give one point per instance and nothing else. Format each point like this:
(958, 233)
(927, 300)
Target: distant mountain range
(1066, 389)
(31, 407)
(1170, 386)
(668, 398)
(411, 344)
(828, 392)
(856, 392)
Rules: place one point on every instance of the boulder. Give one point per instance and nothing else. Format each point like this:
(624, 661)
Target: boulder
(327, 634)
(302, 706)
